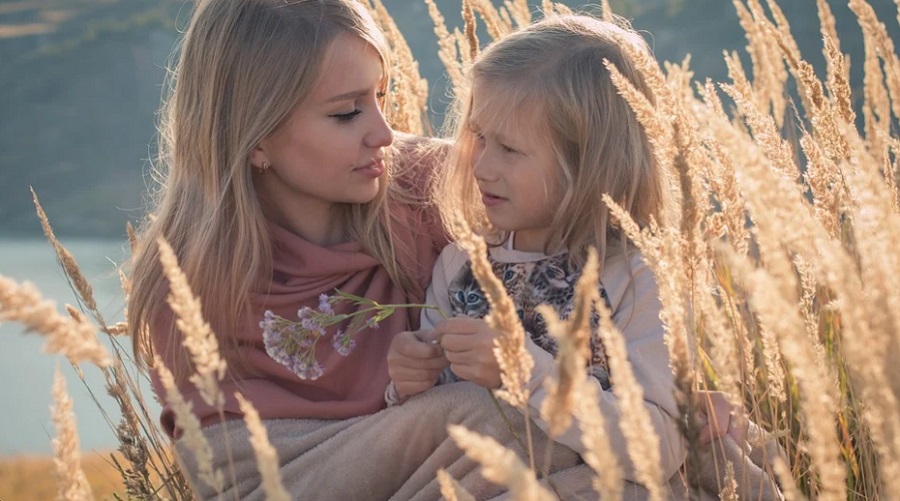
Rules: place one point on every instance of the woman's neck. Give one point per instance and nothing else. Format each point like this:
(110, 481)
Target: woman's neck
(312, 220)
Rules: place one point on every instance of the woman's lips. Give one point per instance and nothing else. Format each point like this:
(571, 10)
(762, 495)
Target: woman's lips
(373, 169)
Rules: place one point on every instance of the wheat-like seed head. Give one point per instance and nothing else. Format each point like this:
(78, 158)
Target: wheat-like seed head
(198, 336)
(500, 465)
(573, 339)
(266, 456)
(451, 489)
(509, 347)
(192, 435)
(71, 481)
(74, 338)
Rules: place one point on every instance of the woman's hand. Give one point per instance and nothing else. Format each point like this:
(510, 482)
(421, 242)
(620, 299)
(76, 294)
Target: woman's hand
(468, 344)
(414, 363)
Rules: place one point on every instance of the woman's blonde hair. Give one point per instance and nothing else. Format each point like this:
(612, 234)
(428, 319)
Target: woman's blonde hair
(243, 67)
(550, 77)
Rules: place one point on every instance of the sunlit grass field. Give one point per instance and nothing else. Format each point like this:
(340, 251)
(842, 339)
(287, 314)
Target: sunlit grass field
(778, 263)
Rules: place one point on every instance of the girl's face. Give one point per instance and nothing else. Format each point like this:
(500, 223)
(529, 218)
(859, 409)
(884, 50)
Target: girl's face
(515, 171)
(329, 151)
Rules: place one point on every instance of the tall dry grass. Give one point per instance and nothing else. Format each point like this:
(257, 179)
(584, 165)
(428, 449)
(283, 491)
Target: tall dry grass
(778, 266)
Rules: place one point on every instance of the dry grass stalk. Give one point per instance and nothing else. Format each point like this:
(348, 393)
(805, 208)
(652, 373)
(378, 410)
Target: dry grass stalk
(656, 123)
(606, 10)
(496, 26)
(875, 32)
(132, 444)
(132, 236)
(765, 130)
(67, 261)
(519, 11)
(599, 454)
(72, 483)
(809, 286)
(877, 105)
(451, 490)
(448, 49)
(470, 28)
(76, 339)
(573, 339)
(409, 97)
(266, 456)
(514, 360)
(774, 365)
(772, 302)
(643, 443)
(822, 114)
(838, 81)
(192, 435)
(828, 26)
(763, 59)
(729, 491)
(825, 184)
(198, 336)
(500, 465)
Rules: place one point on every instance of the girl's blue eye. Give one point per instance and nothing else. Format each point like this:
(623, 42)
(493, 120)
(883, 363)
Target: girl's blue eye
(346, 117)
(507, 149)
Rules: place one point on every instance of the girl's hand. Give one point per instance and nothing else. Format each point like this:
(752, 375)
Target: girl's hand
(719, 418)
(468, 344)
(414, 363)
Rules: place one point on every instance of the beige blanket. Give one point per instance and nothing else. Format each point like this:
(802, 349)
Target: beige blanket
(391, 455)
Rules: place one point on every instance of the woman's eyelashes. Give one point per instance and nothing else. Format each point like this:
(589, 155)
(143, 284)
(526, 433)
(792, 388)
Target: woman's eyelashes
(346, 117)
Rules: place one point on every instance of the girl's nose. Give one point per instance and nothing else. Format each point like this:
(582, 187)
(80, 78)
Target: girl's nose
(482, 166)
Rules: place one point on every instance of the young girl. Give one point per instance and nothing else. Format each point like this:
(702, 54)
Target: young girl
(542, 136)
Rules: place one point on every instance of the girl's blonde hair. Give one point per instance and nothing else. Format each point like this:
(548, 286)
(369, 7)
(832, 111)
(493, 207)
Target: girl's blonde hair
(243, 67)
(550, 77)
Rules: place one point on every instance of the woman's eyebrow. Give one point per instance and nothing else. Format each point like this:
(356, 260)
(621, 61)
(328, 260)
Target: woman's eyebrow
(347, 95)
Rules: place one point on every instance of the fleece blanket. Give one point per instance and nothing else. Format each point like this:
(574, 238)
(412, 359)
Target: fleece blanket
(391, 455)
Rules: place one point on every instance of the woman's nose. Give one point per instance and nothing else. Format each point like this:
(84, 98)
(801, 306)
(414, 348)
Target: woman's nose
(380, 135)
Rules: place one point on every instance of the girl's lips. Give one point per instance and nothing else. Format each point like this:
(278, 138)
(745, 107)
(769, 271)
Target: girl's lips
(491, 200)
(373, 169)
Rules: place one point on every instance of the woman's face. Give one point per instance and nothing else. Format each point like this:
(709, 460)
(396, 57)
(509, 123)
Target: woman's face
(330, 150)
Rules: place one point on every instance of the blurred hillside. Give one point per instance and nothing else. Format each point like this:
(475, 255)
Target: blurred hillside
(81, 81)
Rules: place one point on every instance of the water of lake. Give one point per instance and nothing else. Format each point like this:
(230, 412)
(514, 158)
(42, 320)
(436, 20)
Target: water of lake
(26, 373)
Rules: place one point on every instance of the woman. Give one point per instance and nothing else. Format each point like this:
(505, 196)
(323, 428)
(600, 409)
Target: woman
(281, 183)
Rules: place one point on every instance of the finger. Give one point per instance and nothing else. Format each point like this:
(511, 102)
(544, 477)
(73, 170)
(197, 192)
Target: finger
(427, 336)
(458, 325)
(411, 375)
(459, 342)
(419, 350)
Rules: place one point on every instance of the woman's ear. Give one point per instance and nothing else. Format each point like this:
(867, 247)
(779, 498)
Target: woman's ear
(259, 158)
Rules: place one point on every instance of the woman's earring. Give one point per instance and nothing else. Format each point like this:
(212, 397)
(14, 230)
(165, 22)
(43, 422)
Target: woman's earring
(264, 167)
